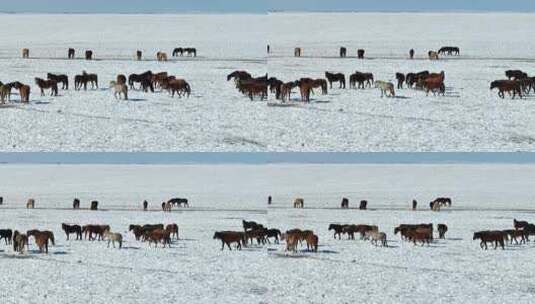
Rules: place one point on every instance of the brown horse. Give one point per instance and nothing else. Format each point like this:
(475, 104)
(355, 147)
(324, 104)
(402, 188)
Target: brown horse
(161, 56)
(173, 230)
(19, 241)
(70, 229)
(24, 92)
(312, 242)
(433, 55)
(496, 237)
(520, 224)
(88, 55)
(94, 205)
(286, 90)
(411, 53)
(121, 79)
(70, 53)
(229, 237)
(158, 235)
(41, 239)
(179, 86)
(514, 234)
(507, 86)
(400, 77)
(97, 230)
(442, 229)
(25, 53)
(30, 204)
(47, 84)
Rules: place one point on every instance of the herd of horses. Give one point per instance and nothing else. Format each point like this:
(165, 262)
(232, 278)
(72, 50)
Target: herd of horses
(522, 230)
(253, 87)
(431, 54)
(517, 83)
(160, 55)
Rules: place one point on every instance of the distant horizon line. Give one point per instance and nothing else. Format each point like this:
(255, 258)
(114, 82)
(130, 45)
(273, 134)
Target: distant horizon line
(216, 12)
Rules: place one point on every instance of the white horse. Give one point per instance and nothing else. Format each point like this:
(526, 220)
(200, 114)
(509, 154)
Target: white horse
(377, 237)
(118, 89)
(113, 237)
(387, 88)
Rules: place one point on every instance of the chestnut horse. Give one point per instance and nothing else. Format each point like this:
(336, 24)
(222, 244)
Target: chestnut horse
(229, 237)
(179, 86)
(41, 239)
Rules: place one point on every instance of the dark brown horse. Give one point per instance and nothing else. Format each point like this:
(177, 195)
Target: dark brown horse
(229, 237)
(76, 204)
(173, 230)
(88, 55)
(343, 52)
(345, 203)
(411, 53)
(94, 205)
(336, 77)
(360, 53)
(63, 79)
(496, 237)
(158, 235)
(507, 86)
(515, 74)
(338, 229)
(144, 79)
(70, 53)
(121, 79)
(47, 84)
(70, 229)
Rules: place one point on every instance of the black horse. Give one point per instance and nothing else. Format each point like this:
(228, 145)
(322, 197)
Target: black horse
(63, 79)
(336, 77)
(144, 79)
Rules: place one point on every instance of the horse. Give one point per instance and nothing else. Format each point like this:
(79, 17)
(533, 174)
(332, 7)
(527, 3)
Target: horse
(345, 203)
(30, 204)
(514, 234)
(19, 241)
(85, 78)
(179, 201)
(139, 55)
(250, 225)
(273, 233)
(25, 53)
(449, 50)
(70, 229)
(343, 52)
(363, 205)
(497, 237)
(229, 237)
(177, 51)
(515, 74)
(400, 77)
(145, 205)
(338, 230)
(299, 203)
(377, 237)
(173, 230)
(118, 89)
(253, 88)
(286, 90)
(98, 230)
(519, 224)
(292, 239)
(88, 55)
(112, 238)
(336, 77)
(306, 85)
(94, 205)
(387, 88)
(166, 207)
(70, 53)
(191, 51)
(63, 79)
(442, 229)
(6, 234)
(76, 204)
(432, 55)
(24, 92)
(412, 78)
(362, 79)
(258, 234)
(41, 239)
(421, 235)
(5, 92)
(411, 53)
(312, 242)
(144, 79)
(179, 86)
(161, 56)
(298, 51)
(506, 86)
(121, 79)
(239, 75)
(435, 206)
(434, 85)
(360, 54)
(47, 84)
(275, 86)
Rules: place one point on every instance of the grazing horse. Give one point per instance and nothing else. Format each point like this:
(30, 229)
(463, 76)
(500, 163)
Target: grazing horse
(25, 53)
(345, 203)
(507, 86)
(411, 53)
(179, 86)
(387, 88)
(6, 234)
(139, 55)
(286, 90)
(377, 237)
(449, 50)
(70, 53)
(299, 203)
(173, 230)
(118, 89)
(47, 84)
(229, 237)
(179, 201)
(70, 229)
(519, 224)
(112, 238)
(432, 55)
(88, 55)
(360, 54)
(442, 229)
(298, 51)
(444, 201)
(336, 77)
(497, 237)
(239, 75)
(30, 204)
(343, 52)
(177, 51)
(76, 204)
(191, 51)
(19, 241)
(338, 230)
(400, 77)
(273, 233)
(63, 79)
(94, 205)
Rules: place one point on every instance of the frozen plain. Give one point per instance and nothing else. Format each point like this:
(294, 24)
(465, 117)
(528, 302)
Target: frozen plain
(194, 270)
(218, 118)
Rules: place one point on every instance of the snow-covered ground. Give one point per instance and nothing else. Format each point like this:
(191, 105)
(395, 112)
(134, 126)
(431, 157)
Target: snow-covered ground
(218, 118)
(194, 270)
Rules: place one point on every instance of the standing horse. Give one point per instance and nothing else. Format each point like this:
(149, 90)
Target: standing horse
(76, 204)
(343, 52)
(118, 89)
(298, 51)
(336, 77)
(88, 55)
(139, 55)
(400, 77)
(70, 229)
(387, 88)
(411, 53)
(113, 237)
(507, 86)
(299, 203)
(432, 55)
(70, 53)
(94, 205)
(345, 203)
(47, 84)
(178, 51)
(25, 53)
(360, 53)
(63, 79)
(30, 204)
